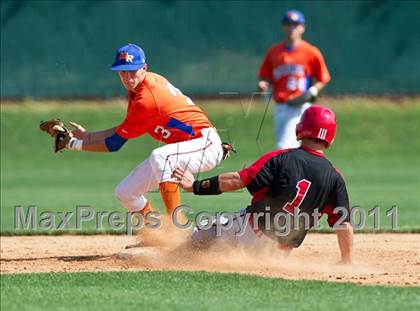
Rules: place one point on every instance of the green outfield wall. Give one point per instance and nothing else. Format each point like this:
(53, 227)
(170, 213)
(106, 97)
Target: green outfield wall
(64, 49)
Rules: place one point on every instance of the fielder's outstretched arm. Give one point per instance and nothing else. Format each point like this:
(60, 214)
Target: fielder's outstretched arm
(99, 135)
(80, 133)
(214, 185)
(113, 142)
(100, 141)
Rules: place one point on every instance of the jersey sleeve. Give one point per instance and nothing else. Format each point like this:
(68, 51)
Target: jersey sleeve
(266, 70)
(338, 198)
(320, 70)
(260, 174)
(138, 121)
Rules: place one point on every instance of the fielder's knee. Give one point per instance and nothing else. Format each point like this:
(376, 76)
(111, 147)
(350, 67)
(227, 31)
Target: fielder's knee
(132, 202)
(160, 164)
(122, 194)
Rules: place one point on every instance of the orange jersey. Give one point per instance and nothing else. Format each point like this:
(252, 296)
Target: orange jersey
(158, 108)
(291, 71)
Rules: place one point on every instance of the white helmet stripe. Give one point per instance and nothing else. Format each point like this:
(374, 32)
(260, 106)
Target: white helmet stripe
(322, 133)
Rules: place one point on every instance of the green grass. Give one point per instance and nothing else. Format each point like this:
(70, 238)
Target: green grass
(376, 149)
(193, 291)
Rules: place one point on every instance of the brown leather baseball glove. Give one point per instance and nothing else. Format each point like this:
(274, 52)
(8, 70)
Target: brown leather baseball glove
(57, 129)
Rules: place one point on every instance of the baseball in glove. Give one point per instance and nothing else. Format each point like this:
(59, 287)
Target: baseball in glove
(57, 129)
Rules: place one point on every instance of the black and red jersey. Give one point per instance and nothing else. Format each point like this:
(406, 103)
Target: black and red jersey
(294, 180)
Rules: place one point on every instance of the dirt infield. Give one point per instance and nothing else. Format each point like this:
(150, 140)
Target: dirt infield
(388, 259)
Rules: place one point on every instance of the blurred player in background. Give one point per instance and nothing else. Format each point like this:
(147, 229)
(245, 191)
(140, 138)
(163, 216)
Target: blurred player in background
(287, 182)
(297, 73)
(158, 108)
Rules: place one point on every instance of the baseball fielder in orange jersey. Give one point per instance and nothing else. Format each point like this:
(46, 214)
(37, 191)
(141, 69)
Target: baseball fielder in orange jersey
(158, 108)
(297, 73)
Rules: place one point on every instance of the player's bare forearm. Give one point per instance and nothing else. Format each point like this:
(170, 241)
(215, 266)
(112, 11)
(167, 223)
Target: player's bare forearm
(345, 242)
(94, 137)
(222, 183)
(230, 182)
(319, 85)
(95, 146)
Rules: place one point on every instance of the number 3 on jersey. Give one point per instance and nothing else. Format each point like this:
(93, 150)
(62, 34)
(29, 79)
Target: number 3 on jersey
(159, 129)
(302, 187)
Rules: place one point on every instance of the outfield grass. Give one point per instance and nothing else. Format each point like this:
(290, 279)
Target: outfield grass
(193, 291)
(376, 149)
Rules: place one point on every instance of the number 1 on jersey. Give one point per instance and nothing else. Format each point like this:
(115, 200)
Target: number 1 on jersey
(302, 187)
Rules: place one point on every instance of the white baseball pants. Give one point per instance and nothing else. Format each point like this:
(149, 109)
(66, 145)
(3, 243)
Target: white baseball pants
(197, 155)
(285, 119)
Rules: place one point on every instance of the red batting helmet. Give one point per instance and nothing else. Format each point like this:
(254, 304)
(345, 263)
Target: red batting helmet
(317, 122)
